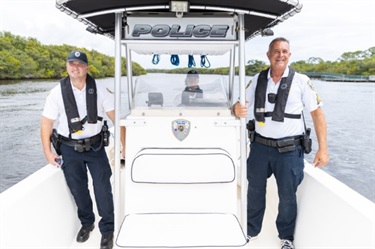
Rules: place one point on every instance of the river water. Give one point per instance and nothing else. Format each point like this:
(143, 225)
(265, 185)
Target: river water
(349, 109)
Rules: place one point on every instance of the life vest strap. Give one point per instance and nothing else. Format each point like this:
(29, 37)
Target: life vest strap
(287, 115)
(84, 120)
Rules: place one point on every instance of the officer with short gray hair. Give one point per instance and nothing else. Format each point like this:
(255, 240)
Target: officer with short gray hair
(279, 138)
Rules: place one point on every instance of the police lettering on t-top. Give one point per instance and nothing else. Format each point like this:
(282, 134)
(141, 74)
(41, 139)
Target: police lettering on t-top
(180, 28)
(164, 30)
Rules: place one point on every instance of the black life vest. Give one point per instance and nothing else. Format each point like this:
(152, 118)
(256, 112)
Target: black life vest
(278, 113)
(74, 121)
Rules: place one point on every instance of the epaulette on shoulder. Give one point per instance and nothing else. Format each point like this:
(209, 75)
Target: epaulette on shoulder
(249, 83)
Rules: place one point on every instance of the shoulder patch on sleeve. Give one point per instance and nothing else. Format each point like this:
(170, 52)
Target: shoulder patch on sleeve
(311, 85)
(318, 99)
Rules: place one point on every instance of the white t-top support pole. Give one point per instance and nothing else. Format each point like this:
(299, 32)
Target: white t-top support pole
(117, 190)
(241, 52)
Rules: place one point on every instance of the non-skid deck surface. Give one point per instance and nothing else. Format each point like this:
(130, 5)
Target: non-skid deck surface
(181, 230)
(267, 239)
(214, 234)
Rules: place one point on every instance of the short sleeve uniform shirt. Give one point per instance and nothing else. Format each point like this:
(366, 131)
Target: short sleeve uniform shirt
(302, 96)
(54, 109)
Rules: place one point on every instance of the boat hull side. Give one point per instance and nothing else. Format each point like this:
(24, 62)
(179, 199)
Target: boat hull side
(332, 215)
(38, 212)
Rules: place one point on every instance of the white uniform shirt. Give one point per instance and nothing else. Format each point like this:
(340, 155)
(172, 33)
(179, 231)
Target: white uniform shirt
(54, 109)
(302, 96)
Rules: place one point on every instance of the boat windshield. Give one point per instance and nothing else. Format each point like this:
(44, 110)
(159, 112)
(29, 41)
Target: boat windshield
(174, 91)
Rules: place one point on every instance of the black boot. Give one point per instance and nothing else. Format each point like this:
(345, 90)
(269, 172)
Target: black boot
(84, 233)
(107, 241)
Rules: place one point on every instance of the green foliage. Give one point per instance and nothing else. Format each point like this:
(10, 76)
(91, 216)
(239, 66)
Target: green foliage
(350, 63)
(27, 58)
(254, 67)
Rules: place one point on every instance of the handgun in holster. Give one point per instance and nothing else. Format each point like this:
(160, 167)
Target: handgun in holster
(250, 126)
(56, 141)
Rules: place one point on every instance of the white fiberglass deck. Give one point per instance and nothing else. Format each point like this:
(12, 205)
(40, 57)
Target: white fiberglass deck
(39, 212)
(331, 215)
(181, 230)
(189, 231)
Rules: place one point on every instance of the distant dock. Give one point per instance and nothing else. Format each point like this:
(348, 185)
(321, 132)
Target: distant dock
(340, 77)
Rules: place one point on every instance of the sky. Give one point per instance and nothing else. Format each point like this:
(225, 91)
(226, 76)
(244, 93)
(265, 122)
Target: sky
(324, 28)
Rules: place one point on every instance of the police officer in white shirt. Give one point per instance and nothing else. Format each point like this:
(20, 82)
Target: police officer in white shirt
(79, 106)
(278, 142)
(192, 89)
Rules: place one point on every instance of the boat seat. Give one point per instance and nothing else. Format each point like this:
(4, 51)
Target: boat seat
(155, 98)
(180, 197)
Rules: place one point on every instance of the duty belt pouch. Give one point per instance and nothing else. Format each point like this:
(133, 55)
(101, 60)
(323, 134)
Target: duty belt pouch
(87, 144)
(79, 146)
(105, 134)
(56, 141)
(285, 145)
(306, 141)
(82, 145)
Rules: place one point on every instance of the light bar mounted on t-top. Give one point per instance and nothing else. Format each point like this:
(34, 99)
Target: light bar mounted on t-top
(179, 7)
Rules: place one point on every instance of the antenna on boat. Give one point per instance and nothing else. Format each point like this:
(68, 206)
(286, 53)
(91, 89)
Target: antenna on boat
(179, 7)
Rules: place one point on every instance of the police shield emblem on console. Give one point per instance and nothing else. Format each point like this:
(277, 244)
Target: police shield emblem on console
(180, 128)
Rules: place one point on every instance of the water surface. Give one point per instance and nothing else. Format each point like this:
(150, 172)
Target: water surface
(349, 110)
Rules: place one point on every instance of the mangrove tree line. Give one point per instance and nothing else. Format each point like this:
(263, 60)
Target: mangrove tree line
(27, 58)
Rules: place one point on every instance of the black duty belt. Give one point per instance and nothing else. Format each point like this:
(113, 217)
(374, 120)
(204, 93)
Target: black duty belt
(74, 142)
(278, 143)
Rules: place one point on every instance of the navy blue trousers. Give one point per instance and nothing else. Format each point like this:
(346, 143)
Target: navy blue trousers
(287, 168)
(75, 170)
